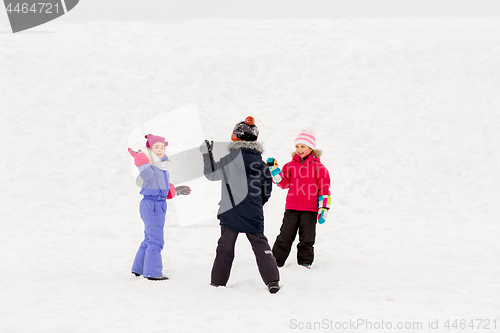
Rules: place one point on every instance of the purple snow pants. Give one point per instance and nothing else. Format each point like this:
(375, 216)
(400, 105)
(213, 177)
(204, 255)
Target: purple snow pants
(148, 260)
(225, 255)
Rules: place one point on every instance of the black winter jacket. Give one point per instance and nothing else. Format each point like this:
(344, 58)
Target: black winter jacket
(246, 186)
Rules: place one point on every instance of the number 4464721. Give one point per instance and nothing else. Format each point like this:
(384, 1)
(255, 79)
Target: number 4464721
(36, 8)
(479, 324)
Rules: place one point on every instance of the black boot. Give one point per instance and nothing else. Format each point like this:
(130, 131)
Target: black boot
(273, 287)
(161, 278)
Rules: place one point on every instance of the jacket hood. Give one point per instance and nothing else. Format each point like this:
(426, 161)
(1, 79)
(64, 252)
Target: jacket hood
(246, 144)
(316, 153)
(309, 159)
(245, 153)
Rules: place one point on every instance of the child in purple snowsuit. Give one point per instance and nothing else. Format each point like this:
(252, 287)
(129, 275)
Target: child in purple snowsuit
(156, 189)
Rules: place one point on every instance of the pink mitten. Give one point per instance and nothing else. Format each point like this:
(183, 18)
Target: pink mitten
(139, 157)
(171, 191)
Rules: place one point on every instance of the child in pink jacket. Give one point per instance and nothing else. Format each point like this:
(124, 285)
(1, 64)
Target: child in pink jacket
(307, 201)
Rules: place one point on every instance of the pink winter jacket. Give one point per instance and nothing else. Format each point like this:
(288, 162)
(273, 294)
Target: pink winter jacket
(305, 180)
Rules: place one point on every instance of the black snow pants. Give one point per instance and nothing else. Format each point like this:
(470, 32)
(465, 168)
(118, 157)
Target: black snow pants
(225, 255)
(305, 223)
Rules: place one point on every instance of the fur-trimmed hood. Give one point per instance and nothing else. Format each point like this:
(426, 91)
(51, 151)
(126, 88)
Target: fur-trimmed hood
(246, 144)
(246, 185)
(315, 153)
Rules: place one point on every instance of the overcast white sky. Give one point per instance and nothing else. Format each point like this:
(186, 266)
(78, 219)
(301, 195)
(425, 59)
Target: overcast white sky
(181, 9)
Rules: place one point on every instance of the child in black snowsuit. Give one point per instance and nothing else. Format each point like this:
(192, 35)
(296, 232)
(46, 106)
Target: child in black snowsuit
(246, 187)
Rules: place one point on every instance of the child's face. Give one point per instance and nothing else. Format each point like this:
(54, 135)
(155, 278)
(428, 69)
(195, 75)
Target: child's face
(158, 149)
(302, 150)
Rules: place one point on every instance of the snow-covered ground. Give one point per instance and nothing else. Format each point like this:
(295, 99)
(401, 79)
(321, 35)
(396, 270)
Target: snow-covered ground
(405, 110)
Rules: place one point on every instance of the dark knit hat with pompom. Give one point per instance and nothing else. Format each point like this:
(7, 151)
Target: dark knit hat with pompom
(245, 130)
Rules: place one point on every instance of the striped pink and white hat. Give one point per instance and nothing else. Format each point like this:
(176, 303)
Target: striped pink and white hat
(306, 137)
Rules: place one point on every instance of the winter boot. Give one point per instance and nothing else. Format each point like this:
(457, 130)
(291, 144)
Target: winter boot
(273, 287)
(161, 278)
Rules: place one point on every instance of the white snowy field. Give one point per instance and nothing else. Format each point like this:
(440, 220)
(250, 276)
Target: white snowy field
(406, 111)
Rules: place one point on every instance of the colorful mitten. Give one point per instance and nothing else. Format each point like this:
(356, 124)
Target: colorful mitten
(139, 157)
(275, 170)
(183, 190)
(323, 206)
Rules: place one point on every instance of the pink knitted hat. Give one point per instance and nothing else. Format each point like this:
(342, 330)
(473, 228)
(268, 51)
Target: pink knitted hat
(306, 137)
(152, 139)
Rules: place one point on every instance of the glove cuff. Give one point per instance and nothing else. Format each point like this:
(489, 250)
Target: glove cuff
(277, 178)
(276, 174)
(324, 201)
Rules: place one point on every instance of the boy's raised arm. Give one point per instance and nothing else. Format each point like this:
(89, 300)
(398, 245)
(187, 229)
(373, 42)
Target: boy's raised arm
(211, 169)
